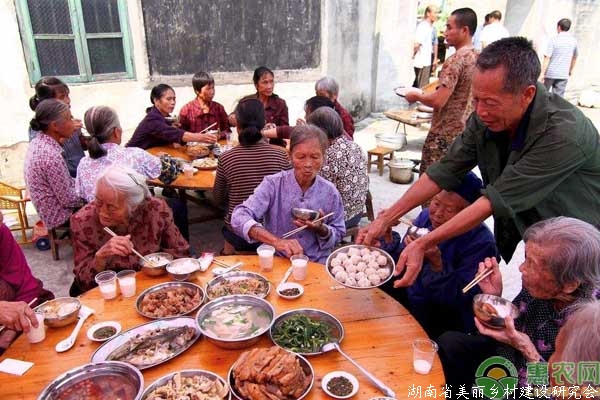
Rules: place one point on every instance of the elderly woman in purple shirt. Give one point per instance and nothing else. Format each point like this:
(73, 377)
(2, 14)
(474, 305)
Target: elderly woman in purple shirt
(274, 198)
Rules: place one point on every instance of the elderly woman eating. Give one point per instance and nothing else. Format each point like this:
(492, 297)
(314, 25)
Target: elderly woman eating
(561, 268)
(123, 203)
(274, 198)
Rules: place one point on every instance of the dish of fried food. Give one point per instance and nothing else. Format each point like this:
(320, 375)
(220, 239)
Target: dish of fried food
(205, 163)
(197, 150)
(170, 302)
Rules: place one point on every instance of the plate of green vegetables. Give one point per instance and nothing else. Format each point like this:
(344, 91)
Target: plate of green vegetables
(304, 331)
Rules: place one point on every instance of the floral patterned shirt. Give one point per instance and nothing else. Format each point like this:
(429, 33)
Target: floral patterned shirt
(89, 169)
(47, 179)
(151, 228)
(346, 167)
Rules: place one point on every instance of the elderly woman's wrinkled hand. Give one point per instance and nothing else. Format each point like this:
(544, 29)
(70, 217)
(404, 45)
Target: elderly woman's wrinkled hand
(116, 246)
(289, 247)
(492, 284)
(512, 337)
(310, 225)
(17, 315)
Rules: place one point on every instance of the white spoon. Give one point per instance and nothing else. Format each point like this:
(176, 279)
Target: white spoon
(67, 343)
(285, 277)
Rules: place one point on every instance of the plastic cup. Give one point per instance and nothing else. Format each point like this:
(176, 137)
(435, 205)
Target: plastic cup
(126, 280)
(265, 257)
(188, 171)
(299, 266)
(229, 138)
(107, 282)
(423, 353)
(36, 335)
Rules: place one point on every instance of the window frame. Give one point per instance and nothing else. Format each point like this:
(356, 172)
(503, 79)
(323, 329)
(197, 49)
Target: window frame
(79, 37)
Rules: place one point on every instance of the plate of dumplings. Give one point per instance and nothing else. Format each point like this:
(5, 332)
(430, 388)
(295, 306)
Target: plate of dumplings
(360, 267)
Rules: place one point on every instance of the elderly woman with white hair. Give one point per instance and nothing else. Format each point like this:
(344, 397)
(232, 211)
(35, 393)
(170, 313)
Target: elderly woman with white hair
(328, 87)
(122, 203)
(561, 268)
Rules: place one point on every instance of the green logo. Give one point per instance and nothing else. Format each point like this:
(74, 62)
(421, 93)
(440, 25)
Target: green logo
(496, 377)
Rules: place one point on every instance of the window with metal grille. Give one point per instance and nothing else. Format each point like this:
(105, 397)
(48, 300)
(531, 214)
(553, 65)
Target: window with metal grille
(76, 40)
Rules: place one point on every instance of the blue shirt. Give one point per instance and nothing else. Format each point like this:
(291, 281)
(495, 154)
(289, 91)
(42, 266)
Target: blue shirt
(272, 202)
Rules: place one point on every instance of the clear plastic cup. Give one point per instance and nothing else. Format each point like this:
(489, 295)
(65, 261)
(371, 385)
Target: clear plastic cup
(188, 171)
(265, 257)
(107, 282)
(229, 138)
(299, 266)
(126, 279)
(36, 335)
(423, 354)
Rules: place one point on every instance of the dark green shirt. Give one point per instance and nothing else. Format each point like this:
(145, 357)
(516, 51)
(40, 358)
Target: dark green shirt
(551, 167)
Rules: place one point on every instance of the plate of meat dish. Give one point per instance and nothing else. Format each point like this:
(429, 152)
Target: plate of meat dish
(150, 344)
(169, 299)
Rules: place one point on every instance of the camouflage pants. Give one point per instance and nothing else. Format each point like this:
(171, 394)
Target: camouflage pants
(435, 147)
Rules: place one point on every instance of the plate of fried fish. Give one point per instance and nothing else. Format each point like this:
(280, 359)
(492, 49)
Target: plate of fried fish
(150, 344)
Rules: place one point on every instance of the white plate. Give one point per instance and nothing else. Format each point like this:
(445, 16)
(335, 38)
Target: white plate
(424, 115)
(336, 374)
(290, 285)
(95, 327)
(424, 108)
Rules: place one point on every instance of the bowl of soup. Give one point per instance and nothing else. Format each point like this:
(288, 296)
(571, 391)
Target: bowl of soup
(235, 322)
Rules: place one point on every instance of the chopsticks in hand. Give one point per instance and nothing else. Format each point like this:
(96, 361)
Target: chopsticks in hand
(208, 127)
(478, 278)
(303, 227)
(111, 233)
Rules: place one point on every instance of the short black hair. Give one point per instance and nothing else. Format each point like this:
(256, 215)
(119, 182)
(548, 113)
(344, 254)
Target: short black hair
(518, 58)
(260, 72)
(466, 17)
(201, 79)
(564, 24)
(157, 91)
(49, 87)
(317, 101)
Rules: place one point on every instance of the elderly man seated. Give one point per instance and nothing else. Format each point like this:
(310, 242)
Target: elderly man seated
(123, 203)
(436, 299)
(561, 268)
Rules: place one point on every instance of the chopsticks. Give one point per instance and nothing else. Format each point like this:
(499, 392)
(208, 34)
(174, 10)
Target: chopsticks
(110, 232)
(221, 263)
(478, 278)
(32, 302)
(405, 221)
(303, 227)
(208, 127)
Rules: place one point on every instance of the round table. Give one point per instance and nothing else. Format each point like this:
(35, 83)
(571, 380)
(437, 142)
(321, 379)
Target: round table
(378, 334)
(204, 179)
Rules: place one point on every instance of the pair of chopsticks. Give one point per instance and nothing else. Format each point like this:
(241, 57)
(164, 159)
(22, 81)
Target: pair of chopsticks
(221, 263)
(208, 127)
(478, 278)
(111, 233)
(303, 227)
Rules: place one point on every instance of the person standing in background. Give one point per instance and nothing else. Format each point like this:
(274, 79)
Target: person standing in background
(559, 59)
(477, 35)
(424, 47)
(494, 30)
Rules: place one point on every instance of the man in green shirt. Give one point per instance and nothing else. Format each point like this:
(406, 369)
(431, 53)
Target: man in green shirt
(539, 157)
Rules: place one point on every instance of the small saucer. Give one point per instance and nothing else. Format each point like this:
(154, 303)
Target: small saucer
(336, 374)
(290, 286)
(116, 327)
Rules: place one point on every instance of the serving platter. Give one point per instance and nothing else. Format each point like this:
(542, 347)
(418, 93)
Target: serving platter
(231, 278)
(385, 270)
(167, 286)
(336, 329)
(104, 352)
(164, 380)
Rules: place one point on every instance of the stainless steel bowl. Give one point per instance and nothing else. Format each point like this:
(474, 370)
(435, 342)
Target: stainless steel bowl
(305, 214)
(125, 376)
(237, 343)
(304, 364)
(174, 266)
(337, 330)
(57, 307)
(156, 270)
(236, 276)
(391, 265)
(165, 286)
(491, 310)
(185, 373)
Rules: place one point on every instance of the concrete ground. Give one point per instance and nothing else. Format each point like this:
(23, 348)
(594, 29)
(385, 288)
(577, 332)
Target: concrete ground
(57, 275)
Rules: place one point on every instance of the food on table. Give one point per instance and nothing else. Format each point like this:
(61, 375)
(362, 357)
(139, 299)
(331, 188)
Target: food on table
(59, 309)
(170, 302)
(234, 321)
(183, 267)
(302, 334)
(290, 292)
(195, 387)
(269, 373)
(104, 332)
(99, 387)
(340, 386)
(197, 150)
(205, 163)
(360, 267)
(154, 346)
(226, 287)
(158, 261)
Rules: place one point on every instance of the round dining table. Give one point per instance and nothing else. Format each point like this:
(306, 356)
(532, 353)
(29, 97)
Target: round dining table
(203, 179)
(378, 335)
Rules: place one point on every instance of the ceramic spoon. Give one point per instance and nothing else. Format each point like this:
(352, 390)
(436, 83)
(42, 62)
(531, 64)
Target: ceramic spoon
(285, 277)
(67, 343)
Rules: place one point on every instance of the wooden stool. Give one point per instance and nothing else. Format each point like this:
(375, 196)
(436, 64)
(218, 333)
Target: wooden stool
(382, 154)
